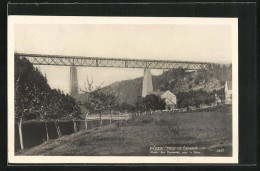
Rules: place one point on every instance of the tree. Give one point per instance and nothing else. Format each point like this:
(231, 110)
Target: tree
(44, 110)
(31, 93)
(151, 102)
(111, 103)
(154, 102)
(28, 83)
(94, 103)
(73, 110)
(184, 103)
(123, 107)
(97, 101)
(63, 107)
(140, 105)
(195, 98)
(56, 110)
(34, 99)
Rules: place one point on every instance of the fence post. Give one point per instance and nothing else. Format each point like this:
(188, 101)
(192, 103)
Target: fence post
(100, 120)
(47, 134)
(20, 133)
(74, 125)
(110, 116)
(86, 123)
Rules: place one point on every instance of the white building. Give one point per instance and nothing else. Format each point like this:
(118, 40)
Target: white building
(228, 92)
(170, 99)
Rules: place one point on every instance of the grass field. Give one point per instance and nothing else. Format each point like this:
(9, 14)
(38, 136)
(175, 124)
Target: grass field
(209, 131)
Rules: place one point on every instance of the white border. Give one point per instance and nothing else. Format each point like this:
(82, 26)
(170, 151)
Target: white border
(12, 20)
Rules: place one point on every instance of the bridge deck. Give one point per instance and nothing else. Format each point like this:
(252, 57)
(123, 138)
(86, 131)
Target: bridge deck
(38, 59)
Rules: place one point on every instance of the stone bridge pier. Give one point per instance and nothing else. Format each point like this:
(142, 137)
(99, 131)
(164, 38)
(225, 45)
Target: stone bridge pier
(74, 91)
(147, 83)
(146, 89)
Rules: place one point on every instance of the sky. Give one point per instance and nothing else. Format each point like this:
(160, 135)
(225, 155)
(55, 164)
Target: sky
(206, 43)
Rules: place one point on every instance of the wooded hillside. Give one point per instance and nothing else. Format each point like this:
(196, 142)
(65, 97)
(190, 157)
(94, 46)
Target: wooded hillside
(176, 81)
(34, 99)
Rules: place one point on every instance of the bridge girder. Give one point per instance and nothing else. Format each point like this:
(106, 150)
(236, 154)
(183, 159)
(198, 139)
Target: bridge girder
(38, 59)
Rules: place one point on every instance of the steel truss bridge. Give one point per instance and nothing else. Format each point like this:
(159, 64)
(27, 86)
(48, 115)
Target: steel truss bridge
(39, 59)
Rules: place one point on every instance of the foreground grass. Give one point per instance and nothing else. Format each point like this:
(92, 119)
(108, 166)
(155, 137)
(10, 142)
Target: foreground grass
(209, 131)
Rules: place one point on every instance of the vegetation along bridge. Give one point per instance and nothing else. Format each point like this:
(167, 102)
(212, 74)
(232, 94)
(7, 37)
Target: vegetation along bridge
(74, 61)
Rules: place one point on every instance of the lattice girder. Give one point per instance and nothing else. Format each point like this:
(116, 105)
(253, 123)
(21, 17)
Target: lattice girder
(38, 59)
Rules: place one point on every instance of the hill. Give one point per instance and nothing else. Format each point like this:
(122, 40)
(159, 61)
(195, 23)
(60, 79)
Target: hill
(174, 80)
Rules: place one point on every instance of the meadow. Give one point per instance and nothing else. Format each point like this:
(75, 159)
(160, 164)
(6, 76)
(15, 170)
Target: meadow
(210, 131)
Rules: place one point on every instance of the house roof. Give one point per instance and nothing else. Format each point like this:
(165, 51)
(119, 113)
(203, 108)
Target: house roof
(159, 93)
(229, 85)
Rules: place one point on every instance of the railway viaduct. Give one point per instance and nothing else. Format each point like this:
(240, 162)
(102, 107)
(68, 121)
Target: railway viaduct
(75, 61)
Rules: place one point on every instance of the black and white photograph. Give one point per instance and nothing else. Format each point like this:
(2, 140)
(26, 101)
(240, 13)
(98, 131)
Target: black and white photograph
(122, 89)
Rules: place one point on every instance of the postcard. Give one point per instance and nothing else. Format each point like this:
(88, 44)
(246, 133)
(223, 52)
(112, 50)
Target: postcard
(122, 89)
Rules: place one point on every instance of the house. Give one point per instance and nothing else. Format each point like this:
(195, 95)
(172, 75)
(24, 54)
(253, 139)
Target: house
(228, 92)
(170, 98)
